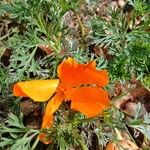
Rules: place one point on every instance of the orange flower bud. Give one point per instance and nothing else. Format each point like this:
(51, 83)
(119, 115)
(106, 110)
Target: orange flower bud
(122, 143)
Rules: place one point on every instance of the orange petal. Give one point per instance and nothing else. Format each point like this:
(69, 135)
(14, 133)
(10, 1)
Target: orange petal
(75, 74)
(38, 90)
(90, 101)
(51, 107)
(17, 91)
(111, 146)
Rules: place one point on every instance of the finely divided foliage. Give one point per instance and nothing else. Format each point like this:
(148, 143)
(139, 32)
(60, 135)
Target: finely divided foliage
(127, 37)
(35, 38)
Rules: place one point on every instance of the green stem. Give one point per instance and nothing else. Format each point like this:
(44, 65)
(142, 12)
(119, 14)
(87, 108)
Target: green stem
(84, 147)
(81, 141)
(129, 134)
(35, 144)
(30, 59)
(5, 36)
(87, 120)
(81, 25)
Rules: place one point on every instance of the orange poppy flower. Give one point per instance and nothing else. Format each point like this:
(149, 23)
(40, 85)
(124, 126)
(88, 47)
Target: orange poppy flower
(80, 83)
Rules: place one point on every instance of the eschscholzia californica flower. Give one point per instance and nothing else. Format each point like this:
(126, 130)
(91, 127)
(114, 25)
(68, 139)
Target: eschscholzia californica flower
(79, 83)
(122, 144)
